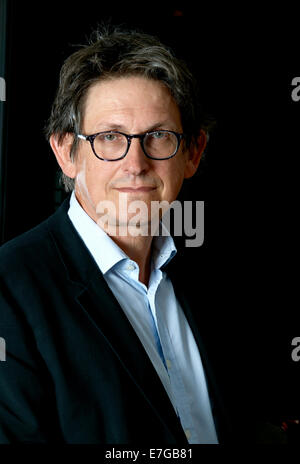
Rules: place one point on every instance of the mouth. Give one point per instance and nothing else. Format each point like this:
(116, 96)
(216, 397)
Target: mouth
(135, 189)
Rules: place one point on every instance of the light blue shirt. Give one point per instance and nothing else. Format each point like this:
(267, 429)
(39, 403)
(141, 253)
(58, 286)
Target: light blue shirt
(158, 320)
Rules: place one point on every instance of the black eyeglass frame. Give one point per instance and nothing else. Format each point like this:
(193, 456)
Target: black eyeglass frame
(141, 137)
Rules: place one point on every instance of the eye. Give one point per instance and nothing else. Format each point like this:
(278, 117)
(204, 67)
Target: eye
(109, 137)
(158, 135)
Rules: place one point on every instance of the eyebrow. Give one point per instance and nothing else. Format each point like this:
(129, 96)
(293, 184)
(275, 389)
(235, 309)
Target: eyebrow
(120, 127)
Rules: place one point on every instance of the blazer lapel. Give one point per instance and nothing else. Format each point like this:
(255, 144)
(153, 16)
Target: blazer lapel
(104, 312)
(188, 302)
(113, 324)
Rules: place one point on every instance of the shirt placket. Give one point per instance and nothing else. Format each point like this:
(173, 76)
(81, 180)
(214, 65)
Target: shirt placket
(182, 403)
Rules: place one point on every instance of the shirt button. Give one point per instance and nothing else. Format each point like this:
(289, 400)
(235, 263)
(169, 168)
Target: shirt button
(130, 267)
(187, 433)
(169, 364)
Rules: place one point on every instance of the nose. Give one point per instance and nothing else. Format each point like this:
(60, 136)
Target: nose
(135, 162)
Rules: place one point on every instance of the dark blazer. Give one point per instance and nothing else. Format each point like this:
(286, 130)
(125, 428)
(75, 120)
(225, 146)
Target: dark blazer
(75, 370)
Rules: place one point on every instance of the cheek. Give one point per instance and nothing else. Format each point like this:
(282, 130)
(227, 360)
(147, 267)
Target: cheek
(88, 170)
(87, 177)
(173, 176)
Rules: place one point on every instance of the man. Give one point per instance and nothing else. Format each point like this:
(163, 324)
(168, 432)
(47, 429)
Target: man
(102, 344)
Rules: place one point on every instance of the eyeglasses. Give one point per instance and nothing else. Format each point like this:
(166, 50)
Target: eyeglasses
(114, 145)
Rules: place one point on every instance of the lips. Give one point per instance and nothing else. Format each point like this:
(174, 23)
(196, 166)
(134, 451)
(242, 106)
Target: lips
(135, 189)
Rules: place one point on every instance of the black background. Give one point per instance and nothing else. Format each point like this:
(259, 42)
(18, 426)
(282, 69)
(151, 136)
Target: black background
(246, 271)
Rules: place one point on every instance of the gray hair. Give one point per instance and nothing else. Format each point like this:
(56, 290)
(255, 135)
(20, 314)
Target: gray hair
(112, 53)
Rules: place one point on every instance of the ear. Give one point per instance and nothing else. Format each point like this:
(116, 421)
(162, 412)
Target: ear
(62, 151)
(195, 153)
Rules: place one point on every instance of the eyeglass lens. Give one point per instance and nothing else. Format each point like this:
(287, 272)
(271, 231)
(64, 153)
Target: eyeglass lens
(113, 145)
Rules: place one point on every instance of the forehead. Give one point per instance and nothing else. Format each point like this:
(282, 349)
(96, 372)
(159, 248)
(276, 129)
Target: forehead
(130, 98)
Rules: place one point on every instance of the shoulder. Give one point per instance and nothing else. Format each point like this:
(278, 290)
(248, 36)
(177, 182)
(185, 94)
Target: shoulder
(32, 272)
(27, 245)
(32, 248)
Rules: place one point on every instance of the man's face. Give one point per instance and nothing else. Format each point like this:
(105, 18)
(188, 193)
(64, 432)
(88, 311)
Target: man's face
(132, 105)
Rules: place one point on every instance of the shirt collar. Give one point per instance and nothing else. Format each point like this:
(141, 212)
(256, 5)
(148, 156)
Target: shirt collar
(163, 249)
(104, 250)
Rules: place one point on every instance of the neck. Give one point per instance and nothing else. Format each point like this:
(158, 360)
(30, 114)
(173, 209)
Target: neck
(139, 250)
